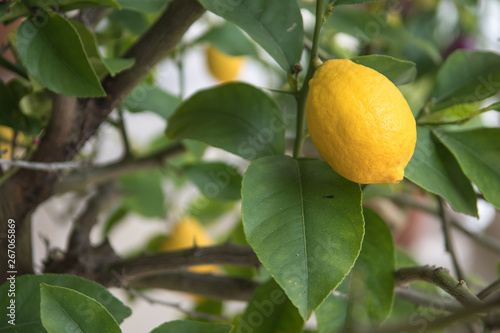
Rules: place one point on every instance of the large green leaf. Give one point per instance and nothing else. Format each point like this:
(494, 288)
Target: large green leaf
(144, 6)
(53, 53)
(18, 8)
(351, 2)
(191, 326)
(478, 153)
(28, 299)
(398, 71)
(65, 5)
(236, 117)
(466, 77)
(457, 114)
(270, 311)
(435, 169)
(305, 224)
(143, 193)
(275, 25)
(367, 294)
(215, 180)
(148, 97)
(66, 310)
(230, 40)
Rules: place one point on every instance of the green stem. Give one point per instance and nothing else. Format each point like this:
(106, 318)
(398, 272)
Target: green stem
(302, 96)
(13, 68)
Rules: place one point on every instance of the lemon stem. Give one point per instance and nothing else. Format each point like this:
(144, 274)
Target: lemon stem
(304, 91)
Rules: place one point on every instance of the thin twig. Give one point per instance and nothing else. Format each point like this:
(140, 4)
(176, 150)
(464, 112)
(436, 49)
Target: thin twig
(441, 278)
(123, 132)
(428, 299)
(304, 91)
(107, 172)
(491, 289)
(448, 240)
(192, 314)
(439, 322)
(41, 166)
(480, 238)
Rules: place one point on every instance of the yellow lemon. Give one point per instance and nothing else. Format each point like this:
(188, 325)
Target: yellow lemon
(6, 135)
(223, 66)
(186, 234)
(360, 122)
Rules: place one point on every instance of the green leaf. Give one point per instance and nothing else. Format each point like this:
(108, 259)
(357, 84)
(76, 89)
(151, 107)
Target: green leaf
(398, 71)
(136, 22)
(16, 9)
(270, 311)
(230, 40)
(433, 168)
(111, 66)
(66, 5)
(215, 180)
(478, 153)
(305, 224)
(351, 2)
(148, 97)
(143, 193)
(369, 289)
(236, 117)
(10, 112)
(274, 25)
(116, 65)
(3, 9)
(191, 326)
(28, 299)
(66, 310)
(144, 6)
(466, 77)
(52, 52)
(456, 114)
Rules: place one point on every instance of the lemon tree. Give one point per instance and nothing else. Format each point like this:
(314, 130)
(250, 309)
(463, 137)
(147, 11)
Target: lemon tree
(295, 156)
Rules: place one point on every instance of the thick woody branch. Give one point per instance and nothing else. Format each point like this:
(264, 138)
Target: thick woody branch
(441, 278)
(212, 286)
(153, 46)
(166, 262)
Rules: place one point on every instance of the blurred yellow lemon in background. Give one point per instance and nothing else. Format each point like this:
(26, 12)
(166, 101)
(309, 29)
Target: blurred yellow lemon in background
(186, 234)
(6, 136)
(223, 67)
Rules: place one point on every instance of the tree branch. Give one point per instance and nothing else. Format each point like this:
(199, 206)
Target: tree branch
(448, 240)
(79, 240)
(212, 286)
(441, 278)
(48, 167)
(98, 175)
(192, 314)
(480, 238)
(165, 262)
(491, 289)
(439, 323)
(427, 299)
